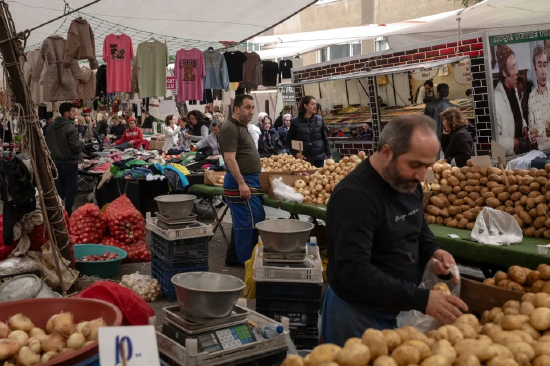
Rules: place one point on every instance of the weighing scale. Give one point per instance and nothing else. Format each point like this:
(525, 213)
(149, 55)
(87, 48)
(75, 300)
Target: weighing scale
(169, 223)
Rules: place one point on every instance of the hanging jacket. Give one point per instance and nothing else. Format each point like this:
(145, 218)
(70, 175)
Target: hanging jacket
(85, 85)
(37, 93)
(313, 134)
(101, 81)
(80, 44)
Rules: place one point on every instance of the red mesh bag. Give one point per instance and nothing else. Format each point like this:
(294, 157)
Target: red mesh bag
(125, 222)
(87, 224)
(137, 252)
(134, 309)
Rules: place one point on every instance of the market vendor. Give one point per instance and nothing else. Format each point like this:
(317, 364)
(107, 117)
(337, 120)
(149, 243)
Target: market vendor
(132, 137)
(242, 182)
(378, 239)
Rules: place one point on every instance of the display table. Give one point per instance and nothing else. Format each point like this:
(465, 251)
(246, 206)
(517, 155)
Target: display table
(490, 257)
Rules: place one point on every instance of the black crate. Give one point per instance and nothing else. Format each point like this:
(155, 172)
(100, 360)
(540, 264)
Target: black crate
(304, 331)
(289, 306)
(305, 342)
(297, 318)
(178, 250)
(163, 274)
(289, 291)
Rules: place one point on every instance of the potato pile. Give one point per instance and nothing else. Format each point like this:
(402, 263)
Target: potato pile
(21, 343)
(523, 279)
(284, 163)
(516, 334)
(461, 194)
(316, 188)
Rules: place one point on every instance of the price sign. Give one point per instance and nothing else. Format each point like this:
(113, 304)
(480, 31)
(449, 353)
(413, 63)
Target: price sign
(498, 152)
(298, 145)
(482, 161)
(424, 75)
(137, 345)
(430, 176)
(463, 72)
(171, 83)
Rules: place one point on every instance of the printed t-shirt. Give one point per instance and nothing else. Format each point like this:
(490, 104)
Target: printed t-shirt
(235, 62)
(189, 71)
(152, 60)
(118, 54)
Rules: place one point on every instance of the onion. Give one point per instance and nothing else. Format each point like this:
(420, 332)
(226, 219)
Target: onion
(34, 345)
(63, 323)
(330, 162)
(27, 357)
(47, 356)
(76, 341)
(21, 337)
(4, 330)
(54, 343)
(8, 348)
(20, 322)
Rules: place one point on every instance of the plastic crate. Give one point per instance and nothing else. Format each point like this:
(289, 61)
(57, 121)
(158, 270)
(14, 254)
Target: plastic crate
(286, 291)
(176, 234)
(304, 331)
(265, 273)
(305, 342)
(163, 273)
(178, 250)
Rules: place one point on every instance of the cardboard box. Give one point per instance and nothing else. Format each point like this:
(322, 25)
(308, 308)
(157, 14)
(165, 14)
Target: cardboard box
(265, 183)
(156, 145)
(211, 178)
(287, 179)
(480, 297)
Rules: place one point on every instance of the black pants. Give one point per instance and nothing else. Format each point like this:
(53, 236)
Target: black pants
(319, 163)
(67, 184)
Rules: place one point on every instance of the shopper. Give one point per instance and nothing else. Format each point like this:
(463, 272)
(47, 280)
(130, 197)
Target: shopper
(198, 125)
(270, 142)
(49, 121)
(242, 181)
(132, 137)
(255, 132)
(148, 121)
(171, 133)
(426, 93)
(283, 132)
(66, 150)
(309, 128)
(378, 239)
(102, 127)
(456, 142)
(88, 134)
(117, 128)
(279, 120)
(261, 116)
(210, 146)
(184, 136)
(435, 108)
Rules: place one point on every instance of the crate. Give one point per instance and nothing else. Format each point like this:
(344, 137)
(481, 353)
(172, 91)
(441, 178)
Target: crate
(179, 250)
(305, 342)
(264, 273)
(304, 331)
(164, 271)
(286, 291)
(175, 234)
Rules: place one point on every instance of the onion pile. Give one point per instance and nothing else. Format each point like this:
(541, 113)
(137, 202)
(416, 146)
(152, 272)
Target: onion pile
(87, 224)
(146, 287)
(107, 256)
(284, 163)
(317, 188)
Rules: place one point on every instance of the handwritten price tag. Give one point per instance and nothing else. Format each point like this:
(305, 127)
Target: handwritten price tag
(136, 345)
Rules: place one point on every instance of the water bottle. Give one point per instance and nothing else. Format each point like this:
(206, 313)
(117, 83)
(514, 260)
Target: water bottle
(313, 248)
(268, 331)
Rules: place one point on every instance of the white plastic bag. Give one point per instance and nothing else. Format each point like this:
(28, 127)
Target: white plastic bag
(422, 321)
(285, 192)
(496, 228)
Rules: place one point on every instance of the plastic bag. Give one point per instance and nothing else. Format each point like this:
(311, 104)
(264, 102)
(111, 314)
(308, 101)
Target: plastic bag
(250, 284)
(422, 321)
(496, 228)
(145, 286)
(285, 192)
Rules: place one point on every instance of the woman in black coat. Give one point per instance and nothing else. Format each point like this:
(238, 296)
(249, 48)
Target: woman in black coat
(457, 143)
(269, 142)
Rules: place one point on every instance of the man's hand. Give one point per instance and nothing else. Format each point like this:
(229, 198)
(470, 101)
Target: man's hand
(445, 261)
(299, 156)
(245, 191)
(445, 308)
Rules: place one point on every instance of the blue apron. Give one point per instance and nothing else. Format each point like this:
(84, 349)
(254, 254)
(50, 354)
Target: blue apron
(244, 213)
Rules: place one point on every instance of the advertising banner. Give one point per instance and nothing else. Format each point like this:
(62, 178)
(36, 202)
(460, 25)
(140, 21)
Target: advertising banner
(519, 65)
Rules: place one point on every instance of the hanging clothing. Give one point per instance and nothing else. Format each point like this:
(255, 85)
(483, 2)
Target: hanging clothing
(216, 71)
(80, 44)
(270, 70)
(58, 81)
(189, 71)
(152, 60)
(118, 53)
(134, 87)
(249, 67)
(101, 81)
(244, 213)
(36, 88)
(284, 69)
(235, 63)
(85, 85)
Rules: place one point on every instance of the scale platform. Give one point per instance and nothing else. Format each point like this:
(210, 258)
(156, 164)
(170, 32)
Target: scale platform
(284, 258)
(168, 223)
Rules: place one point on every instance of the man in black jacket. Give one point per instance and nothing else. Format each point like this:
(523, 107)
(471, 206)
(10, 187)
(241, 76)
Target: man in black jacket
(66, 150)
(434, 109)
(378, 238)
(310, 129)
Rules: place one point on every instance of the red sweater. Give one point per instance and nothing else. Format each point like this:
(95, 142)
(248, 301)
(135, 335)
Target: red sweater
(136, 135)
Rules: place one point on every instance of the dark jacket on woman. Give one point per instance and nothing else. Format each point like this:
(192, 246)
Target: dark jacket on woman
(313, 134)
(267, 148)
(118, 130)
(102, 128)
(458, 145)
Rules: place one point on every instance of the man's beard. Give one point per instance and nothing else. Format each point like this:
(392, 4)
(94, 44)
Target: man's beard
(396, 181)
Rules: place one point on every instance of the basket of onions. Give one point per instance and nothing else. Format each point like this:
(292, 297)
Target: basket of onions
(98, 260)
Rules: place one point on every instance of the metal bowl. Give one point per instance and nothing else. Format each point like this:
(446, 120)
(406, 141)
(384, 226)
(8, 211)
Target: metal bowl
(207, 295)
(175, 205)
(284, 236)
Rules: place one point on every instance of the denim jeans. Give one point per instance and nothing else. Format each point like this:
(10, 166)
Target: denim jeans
(124, 146)
(342, 320)
(67, 184)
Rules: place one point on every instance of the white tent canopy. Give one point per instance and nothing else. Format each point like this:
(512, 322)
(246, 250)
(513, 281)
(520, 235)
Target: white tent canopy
(212, 21)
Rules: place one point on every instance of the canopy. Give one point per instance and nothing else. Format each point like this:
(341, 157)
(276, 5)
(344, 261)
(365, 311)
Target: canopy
(487, 15)
(196, 21)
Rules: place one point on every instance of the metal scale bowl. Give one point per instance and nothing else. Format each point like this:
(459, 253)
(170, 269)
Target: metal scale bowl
(284, 240)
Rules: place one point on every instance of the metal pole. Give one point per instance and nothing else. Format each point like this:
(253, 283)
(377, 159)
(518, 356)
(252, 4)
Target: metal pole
(52, 209)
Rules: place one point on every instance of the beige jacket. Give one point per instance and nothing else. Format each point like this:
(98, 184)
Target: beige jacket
(37, 94)
(80, 44)
(85, 85)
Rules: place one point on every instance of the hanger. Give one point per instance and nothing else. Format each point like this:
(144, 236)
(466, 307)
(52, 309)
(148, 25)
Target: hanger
(297, 56)
(118, 32)
(152, 39)
(210, 48)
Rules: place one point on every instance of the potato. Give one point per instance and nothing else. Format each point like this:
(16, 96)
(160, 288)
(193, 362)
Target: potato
(526, 308)
(454, 210)
(506, 338)
(502, 361)
(543, 360)
(353, 355)
(525, 217)
(529, 329)
(515, 196)
(541, 300)
(446, 189)
(500, 276)
(532, 277)
(450, 333)
(504, 196)
(445, 221)
(489, 282)
(483, 351)
(545, 272)
(467, 359)
(492, 202)
(392, 339)
(433, 210)
(516, 274)
(510, 322)
(436, 201)
(537, 286)
(524, 189)
(467, 331)
(322, 353)
(462, 223)
(522, 347)
(406, 355)
(442, 287)
(374, 339)
(453, 181)
(492, 185)
(444, 348)
(425, 351)
(385, 361)
(293, 360)
(452, 223)
(540, 318)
